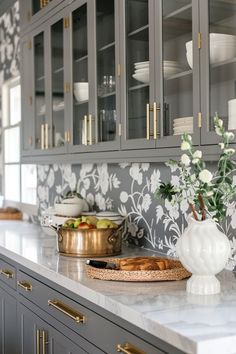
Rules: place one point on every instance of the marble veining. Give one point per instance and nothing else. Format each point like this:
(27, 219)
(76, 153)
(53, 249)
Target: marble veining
(194, 324)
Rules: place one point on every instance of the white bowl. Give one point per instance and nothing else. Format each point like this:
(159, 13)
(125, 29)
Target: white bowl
(70, 210)
(183, 119)
(142, 77)
(222, 47)
(81, 91)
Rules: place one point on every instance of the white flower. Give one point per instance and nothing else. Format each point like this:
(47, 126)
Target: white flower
(229, 151)
(185, 160)
(51, 178)
(124, 196)
(146, 202)
(103, 178)
(220, 123)
(195, 161)
(185, 146)
(145, 166)
(205, 176)
(197, 154)
(175, 181)
(193, 178)
(222, 145)
(155, 180)
(229, 135)
(218, 131)
(209, 194)
(100, 201)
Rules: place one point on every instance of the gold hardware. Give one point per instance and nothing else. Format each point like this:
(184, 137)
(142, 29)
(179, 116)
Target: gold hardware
(199, 119)
(7, 273)
(67, 310)
(148, 121)
(45, 341)
(156, 109)
(38, 341)
(68, 136)
(65, 136)
(30, 140)
(30, 44)
(25, 285)
(41, 4)
(129, 349)
(118, 70)
(199, 40)
(42, 137)
(66, 22)
(120, 129)
(46, 136)
(66, 87)
(85, 131)
(30, 100)
(90, 130)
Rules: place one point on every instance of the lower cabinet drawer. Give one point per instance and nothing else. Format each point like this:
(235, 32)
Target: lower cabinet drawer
(99, 331)
(8, 274)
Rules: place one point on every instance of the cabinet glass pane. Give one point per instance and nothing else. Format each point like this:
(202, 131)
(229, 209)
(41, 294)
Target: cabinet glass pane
(177, 68)
(80, 76)
(40, 106)
(106, 70)
(222, 51)
(57, 84)
(137, 67)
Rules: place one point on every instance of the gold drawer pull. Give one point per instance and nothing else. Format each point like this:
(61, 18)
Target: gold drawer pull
(25, 285)
(129, 349)
(67, 310)
(7, 273)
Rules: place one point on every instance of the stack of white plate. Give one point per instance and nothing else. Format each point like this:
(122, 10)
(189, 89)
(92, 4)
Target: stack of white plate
(141, 70)
(183, 125)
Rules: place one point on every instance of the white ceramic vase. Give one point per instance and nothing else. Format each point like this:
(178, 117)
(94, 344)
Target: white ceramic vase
(204, 251)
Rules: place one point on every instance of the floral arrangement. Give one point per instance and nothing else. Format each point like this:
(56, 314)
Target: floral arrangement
(206, 192)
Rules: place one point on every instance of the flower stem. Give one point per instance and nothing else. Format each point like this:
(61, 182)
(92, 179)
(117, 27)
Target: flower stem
(202, 206)
(193, 211)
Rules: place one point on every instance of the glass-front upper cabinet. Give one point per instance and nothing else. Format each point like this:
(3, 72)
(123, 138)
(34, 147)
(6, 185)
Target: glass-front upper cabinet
(39, 92)
(218, 71)
(106, 74)
(137, 71)
(176, 94)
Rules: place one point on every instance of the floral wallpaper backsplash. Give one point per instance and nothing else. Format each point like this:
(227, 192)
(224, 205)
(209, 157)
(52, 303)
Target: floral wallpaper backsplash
(128, 189)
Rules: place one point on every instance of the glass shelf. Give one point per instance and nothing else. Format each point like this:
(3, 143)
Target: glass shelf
(40, 78)
(76, 103)
(59, 70)
(107, 95)
(226, 62)
(139, 33)
(105, 47)
(178, 11)
(137, 87)
(179, 75)
(78, 60)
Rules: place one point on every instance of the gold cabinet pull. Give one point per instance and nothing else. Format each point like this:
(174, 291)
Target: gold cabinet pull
(7, 273)
(68, 136)
(25, 285)
(156, 109)
(65, 136)
(42, 137)
(129, 349)
(46, 136)
(90, 130)
(38, 341)
(67, 310)
(148, 121)
(85, 130)
(45, 341)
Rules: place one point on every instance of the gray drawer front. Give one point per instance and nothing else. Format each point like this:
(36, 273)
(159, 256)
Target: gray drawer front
(8, 274)
(104, 334)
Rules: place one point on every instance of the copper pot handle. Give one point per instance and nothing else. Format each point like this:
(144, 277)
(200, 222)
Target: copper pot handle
(58, 231)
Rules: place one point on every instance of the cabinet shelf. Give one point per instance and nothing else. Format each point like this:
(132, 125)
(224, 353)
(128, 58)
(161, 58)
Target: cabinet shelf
(226, 62)
(107, 94)
(59, 70)
(178, 11)
(137, 87)
(76, 103)
(78, 60)
(179, 75)
(40, 78)
(138, 31)
(107, 46)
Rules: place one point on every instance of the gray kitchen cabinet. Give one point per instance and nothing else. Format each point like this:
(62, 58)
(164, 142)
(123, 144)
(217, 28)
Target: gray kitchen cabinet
(124, 79)
(8, 309)
(37, 336)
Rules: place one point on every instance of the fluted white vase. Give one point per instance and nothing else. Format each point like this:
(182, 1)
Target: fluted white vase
(204, 251)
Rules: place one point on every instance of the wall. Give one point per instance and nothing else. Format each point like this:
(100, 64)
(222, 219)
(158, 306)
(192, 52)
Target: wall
(125, 187)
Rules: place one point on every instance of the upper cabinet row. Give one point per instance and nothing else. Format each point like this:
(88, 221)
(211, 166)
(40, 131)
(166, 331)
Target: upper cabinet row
(111, 75)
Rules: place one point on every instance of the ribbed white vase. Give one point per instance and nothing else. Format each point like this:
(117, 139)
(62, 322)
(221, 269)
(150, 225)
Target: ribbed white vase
(204, 251)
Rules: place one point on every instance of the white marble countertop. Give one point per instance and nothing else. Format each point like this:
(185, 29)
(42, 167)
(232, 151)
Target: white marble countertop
(194, 324)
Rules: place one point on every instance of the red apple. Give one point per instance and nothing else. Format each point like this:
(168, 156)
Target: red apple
(85, 225)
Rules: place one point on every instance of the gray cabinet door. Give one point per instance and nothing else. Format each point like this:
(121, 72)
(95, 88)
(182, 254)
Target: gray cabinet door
(37, 336)
(218, 66)
(8, 326)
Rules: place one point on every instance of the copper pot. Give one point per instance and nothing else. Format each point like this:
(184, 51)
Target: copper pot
(89, 242)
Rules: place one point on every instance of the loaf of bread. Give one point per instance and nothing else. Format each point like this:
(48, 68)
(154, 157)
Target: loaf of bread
(144, 263)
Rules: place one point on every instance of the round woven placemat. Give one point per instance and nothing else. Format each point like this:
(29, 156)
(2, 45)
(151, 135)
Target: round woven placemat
(176, 272)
